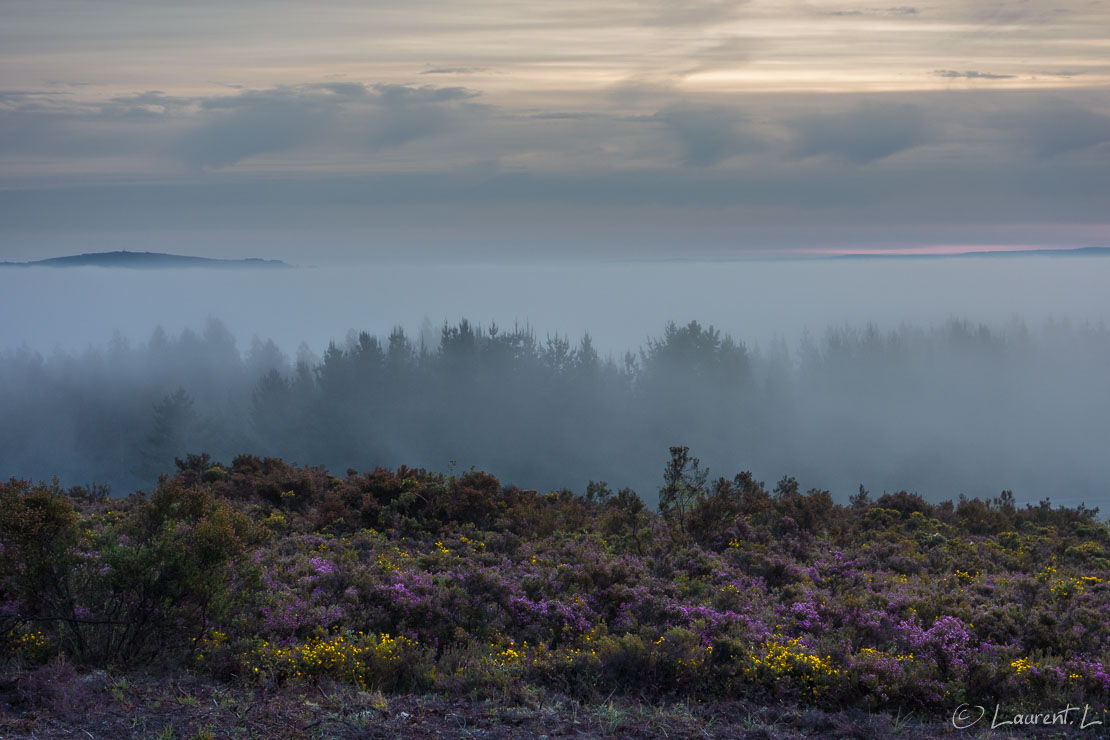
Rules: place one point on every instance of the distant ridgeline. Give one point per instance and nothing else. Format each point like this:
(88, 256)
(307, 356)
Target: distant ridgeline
(147, 260)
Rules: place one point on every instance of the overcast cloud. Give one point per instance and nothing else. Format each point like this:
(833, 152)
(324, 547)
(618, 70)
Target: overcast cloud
(780, 126)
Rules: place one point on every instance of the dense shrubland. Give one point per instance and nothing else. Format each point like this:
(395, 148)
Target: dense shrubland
(263, 573)
(956, 408)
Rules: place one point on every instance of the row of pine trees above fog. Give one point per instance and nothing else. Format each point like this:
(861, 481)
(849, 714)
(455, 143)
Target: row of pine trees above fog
(543, 412)
(371, 400)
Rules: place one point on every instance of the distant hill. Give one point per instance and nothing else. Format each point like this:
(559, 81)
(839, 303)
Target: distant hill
(1004, 253)
(148, 261)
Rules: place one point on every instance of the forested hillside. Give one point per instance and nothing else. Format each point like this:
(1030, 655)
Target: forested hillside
(958, 408)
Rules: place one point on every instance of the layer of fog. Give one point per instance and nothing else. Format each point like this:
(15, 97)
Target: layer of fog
(620, 304)
(944, 377)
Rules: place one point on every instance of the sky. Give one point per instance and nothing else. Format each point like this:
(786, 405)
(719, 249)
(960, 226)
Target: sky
(354, 130)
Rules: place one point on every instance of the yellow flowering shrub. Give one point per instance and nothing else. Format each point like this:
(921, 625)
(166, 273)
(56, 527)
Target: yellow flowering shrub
(385, 662)
(791, 663)
(28, 644)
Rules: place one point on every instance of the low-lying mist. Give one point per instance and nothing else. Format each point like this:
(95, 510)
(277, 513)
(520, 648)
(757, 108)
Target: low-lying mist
(621, 304)
(941, 409)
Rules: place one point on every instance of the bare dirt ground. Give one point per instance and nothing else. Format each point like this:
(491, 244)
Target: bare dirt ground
(57, 702)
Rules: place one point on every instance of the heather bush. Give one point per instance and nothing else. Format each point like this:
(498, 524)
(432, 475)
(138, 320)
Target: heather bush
(38, 549)
(408, 580)
(121, 588)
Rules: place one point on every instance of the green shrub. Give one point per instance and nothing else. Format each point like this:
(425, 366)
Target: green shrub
(38, 552)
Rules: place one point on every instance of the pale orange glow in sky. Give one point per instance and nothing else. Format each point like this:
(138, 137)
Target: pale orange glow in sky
(511, 48)
(928, 250)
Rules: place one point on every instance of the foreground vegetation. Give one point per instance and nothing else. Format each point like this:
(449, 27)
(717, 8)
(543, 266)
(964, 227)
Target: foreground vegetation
(260, 580)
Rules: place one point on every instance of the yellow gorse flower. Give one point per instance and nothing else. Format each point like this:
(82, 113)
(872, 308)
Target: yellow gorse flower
(356, 659)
